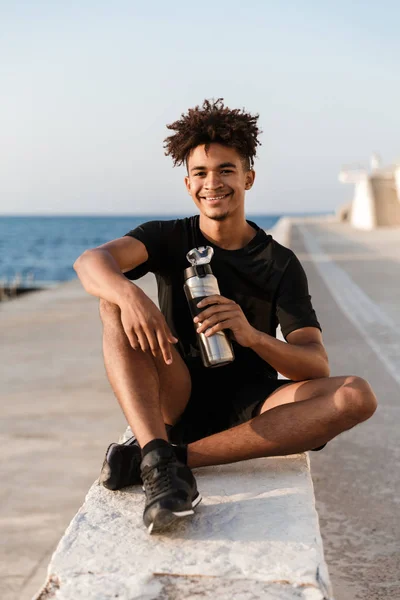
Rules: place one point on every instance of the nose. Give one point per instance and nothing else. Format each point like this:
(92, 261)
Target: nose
(213, 181)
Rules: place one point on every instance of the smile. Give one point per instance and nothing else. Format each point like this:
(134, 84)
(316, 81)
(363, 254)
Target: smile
(214, 197)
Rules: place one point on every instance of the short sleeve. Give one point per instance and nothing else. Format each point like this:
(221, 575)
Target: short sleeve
(293, 304)
(151, 235)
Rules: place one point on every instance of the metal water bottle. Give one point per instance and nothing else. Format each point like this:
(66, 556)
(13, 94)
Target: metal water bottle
(216, 350)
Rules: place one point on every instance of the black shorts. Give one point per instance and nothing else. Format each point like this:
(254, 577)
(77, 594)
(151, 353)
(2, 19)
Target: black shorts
(222, 398)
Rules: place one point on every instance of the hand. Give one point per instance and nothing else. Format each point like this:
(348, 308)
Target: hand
(146, 327)
(225, 314)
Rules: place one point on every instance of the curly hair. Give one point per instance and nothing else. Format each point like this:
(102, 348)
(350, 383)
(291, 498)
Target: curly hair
(214, 122)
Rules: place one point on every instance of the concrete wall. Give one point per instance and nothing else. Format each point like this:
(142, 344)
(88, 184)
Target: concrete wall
(363, 212)
(397, 178)
(387, 205)
(376, 202)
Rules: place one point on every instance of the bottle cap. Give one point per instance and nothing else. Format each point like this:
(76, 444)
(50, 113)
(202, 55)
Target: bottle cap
(197, 271)
(201, 255)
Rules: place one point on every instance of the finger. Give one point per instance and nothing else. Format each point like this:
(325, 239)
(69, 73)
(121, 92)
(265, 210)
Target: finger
(132, 337)
(215, 309)
(219, 327)
(142, 338)
(165, 346)
(215, 299)
(213, 320)
(171, 338)
(153, 342)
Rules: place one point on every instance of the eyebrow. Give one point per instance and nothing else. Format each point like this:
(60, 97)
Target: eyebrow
(221, 166)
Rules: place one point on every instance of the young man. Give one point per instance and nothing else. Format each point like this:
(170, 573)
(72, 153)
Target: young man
(183, 414)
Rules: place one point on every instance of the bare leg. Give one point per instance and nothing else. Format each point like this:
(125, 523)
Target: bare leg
(295, 418)
(149, 392)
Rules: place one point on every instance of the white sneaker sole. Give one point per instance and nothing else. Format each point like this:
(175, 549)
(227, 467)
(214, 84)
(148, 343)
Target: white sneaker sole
(166, 518)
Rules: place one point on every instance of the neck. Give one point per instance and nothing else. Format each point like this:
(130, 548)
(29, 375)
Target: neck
(230, 234)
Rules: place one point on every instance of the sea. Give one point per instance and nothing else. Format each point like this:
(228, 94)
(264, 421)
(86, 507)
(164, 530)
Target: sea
(39, 251)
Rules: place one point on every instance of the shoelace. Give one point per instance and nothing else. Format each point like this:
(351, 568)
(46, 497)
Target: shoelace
(158, 479)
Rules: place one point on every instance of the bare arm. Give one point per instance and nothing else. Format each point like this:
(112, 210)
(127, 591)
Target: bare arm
(303, 357)
(101, 272)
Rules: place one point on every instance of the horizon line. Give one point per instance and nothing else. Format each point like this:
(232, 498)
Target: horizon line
(157, 214)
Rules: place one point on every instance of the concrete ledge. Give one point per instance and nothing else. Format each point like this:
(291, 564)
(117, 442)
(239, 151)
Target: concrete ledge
(255, 535)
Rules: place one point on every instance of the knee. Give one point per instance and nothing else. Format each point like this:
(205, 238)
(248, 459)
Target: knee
(108, 311)
(356, 398)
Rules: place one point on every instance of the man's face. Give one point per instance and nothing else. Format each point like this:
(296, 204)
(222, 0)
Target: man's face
(217, 181)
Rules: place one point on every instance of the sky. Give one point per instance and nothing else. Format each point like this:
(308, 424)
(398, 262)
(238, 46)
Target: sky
(87, 89)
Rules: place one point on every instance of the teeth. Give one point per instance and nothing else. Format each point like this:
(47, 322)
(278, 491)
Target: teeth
(216, 197)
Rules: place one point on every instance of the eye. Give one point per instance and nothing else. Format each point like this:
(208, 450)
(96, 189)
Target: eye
(200, 173)
(226, 171)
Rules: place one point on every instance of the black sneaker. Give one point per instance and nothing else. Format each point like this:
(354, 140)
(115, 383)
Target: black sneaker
(121, 466)
(171, 490)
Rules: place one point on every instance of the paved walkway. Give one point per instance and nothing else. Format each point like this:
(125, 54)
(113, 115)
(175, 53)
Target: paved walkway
(57, 417)
(354, 279)
(58, 414)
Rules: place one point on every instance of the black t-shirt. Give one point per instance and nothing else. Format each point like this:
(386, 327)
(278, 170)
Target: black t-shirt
(265, 278)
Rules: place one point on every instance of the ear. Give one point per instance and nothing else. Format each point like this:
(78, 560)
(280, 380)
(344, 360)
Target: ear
(187, 183)
(249, 179)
